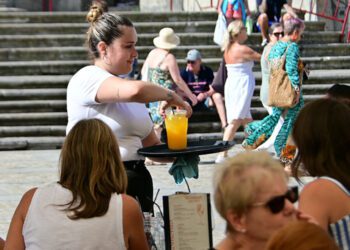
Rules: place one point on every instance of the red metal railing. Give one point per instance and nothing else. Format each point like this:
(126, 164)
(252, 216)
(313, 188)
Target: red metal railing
(333, 16)
(47, 5)
(211, 5)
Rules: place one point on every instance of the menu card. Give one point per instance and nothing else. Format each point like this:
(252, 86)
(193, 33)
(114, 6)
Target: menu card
(187, 221)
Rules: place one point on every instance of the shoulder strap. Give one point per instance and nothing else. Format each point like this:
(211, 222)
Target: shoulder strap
(161, 61)
(336, 182)
(284, 57)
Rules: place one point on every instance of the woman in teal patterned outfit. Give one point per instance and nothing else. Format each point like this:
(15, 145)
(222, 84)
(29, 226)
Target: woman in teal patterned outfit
(260, 131)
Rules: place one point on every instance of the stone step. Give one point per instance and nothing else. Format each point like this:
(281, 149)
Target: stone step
(80, 17)
(70, 67)
(317, 77)
(134, 16)
(32, 94)
(16, 131)
(207, 51)
(52, 137)
(29, 143)
(34, 81)
(21, 41)
(29, 119)
(60, 94)
(141, 27)
(23, 106)
(55, 142)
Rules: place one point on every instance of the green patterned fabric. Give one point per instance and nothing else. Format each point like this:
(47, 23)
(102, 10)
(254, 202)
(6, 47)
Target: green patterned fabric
(264, 128)
(161, 78)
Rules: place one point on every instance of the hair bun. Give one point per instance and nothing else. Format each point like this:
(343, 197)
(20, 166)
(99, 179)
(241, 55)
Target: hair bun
(94, 13)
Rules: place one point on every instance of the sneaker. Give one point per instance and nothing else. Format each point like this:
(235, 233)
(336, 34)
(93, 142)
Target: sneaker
(264, 43)
(220, 159)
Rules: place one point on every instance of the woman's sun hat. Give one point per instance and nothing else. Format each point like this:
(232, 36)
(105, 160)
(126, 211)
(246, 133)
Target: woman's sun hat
(167, 39)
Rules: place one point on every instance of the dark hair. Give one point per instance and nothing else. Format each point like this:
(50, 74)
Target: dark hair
(301, 235)
(339, 92)
(322, 135)
(104, 27)
(273, 27)
(91, 168)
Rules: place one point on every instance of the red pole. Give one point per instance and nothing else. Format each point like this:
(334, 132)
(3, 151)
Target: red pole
(50, 5)
(171, 5)
(345, 21)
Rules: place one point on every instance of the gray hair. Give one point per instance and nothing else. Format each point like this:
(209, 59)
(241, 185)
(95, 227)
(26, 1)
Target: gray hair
(293, 24)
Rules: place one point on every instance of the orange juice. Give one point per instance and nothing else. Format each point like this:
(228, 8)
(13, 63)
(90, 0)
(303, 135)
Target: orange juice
(176, 124)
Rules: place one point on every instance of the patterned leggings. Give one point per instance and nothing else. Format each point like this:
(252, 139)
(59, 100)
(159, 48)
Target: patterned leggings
(265, 127)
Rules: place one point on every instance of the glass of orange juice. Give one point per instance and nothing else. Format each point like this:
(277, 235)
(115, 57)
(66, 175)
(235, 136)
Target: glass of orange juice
(176, 124)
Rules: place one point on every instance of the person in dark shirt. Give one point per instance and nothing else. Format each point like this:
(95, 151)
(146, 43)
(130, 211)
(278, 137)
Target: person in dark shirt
(198, 78)
(270, 12)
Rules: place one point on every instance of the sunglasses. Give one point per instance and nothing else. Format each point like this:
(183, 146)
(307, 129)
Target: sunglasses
(277, 203)
(278, 34)
(191, 62)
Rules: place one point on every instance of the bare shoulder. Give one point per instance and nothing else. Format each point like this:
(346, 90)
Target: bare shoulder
(27, 198)
(130, 206)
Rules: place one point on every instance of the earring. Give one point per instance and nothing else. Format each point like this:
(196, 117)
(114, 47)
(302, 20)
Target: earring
(242, 230)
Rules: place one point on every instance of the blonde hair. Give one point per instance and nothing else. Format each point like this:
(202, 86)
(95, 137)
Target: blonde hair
(301, 235)
(237, 180)
(231, 34)
(104, 27)
(91, 168)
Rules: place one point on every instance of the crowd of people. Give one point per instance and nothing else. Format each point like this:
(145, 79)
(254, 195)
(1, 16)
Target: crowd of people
(104, 185)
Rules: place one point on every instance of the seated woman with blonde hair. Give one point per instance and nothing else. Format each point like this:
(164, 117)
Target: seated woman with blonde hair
(251, 194)
(87, 208)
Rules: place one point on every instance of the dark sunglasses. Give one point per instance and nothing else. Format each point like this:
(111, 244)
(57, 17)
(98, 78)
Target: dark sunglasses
(276, 204)
(191, 62)
(278, 34)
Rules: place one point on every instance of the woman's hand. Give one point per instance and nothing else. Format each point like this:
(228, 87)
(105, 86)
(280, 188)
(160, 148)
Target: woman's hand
(297, 97)
(193, 99)
(175, 100)
(305, 217)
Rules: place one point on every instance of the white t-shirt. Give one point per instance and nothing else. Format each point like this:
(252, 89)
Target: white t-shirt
(47, 226)
(129, 121)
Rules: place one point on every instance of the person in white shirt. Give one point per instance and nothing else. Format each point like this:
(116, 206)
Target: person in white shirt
(96, 91)
(87, 208)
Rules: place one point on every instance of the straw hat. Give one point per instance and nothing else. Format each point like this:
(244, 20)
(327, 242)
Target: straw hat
(167, 39)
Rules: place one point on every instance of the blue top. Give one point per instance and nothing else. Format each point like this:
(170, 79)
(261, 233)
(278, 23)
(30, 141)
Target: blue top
(274, 8)
(236, 5)
(198, 84)
(340, 230)
(292, 59)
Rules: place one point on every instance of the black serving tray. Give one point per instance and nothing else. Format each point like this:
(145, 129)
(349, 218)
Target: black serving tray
(195, 147)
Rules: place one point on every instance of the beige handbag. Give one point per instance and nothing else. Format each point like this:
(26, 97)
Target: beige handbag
(281, 91)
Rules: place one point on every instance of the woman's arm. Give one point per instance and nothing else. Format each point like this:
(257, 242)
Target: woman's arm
(115, 89)
(15, 238)
(292, 59)
(134, 234)
(250, 54)
(312, 202)
(218, 7)
(175, 75)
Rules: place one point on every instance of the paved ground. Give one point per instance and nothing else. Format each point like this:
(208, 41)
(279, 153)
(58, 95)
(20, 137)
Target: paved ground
(21, 170)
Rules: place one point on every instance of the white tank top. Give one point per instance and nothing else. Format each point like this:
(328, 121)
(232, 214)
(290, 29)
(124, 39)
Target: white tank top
(46, 226)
